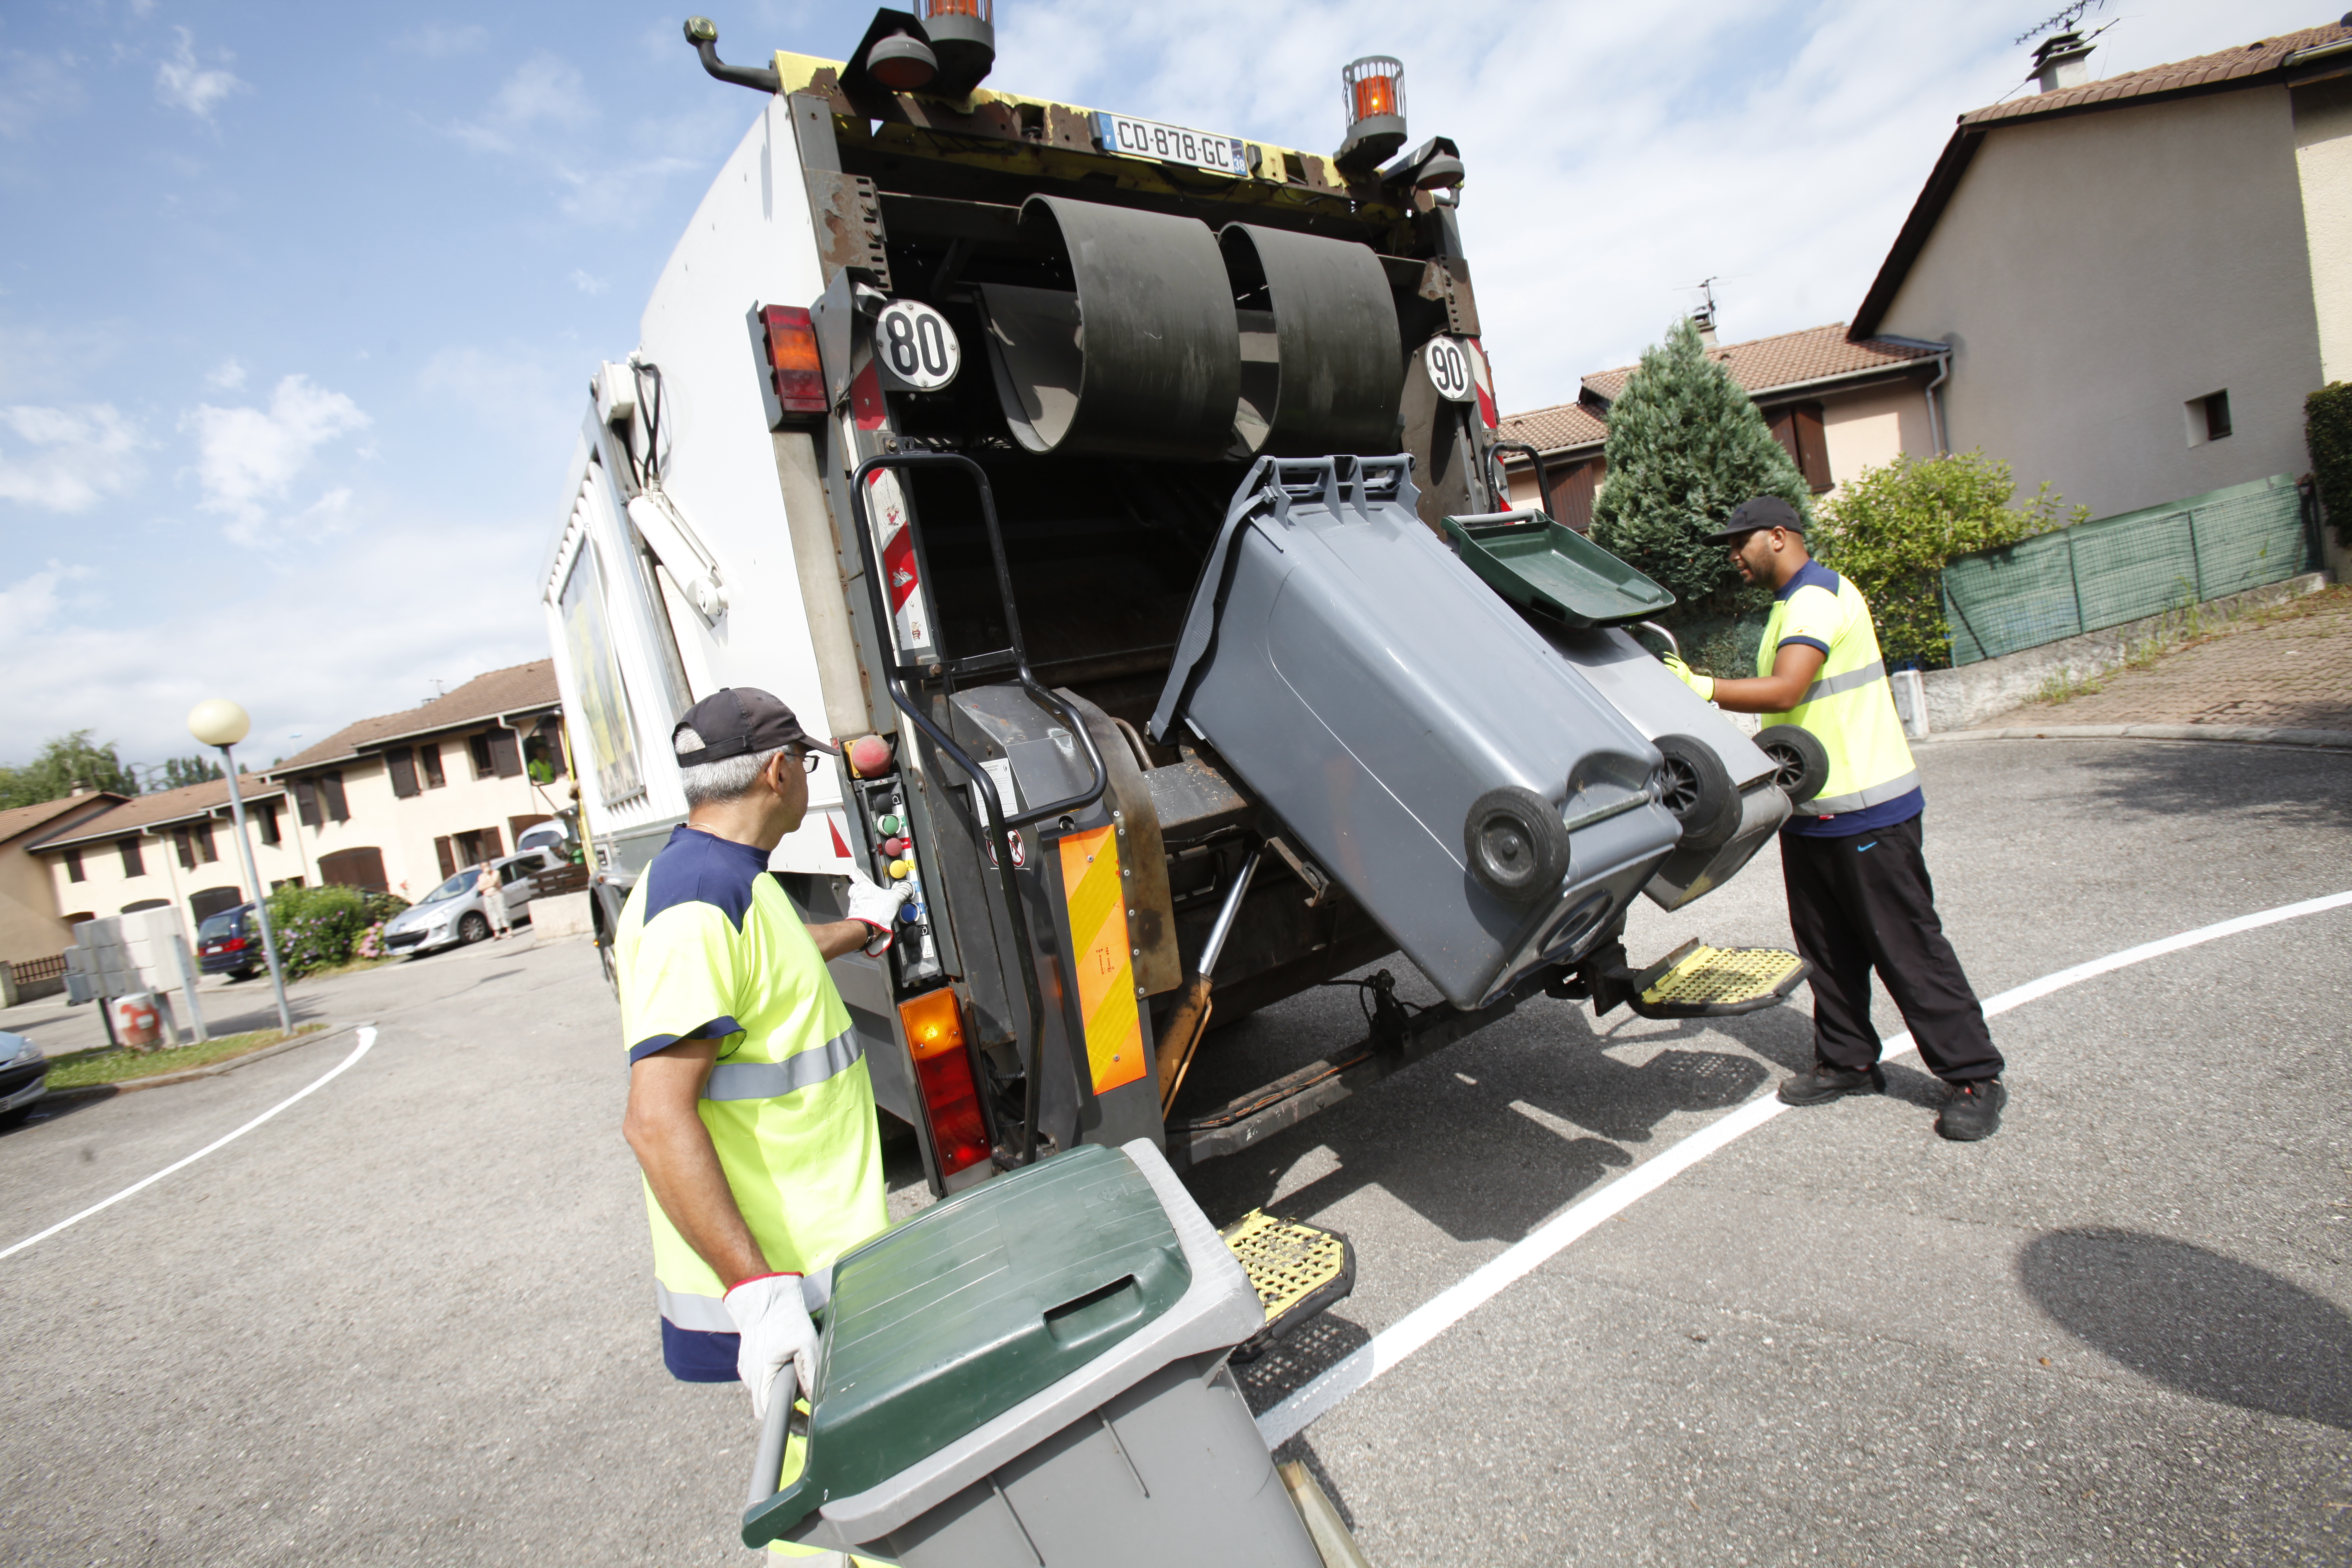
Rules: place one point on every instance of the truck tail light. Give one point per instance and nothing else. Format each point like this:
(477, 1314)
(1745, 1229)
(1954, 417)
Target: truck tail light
(791, 359)
(934, 1025)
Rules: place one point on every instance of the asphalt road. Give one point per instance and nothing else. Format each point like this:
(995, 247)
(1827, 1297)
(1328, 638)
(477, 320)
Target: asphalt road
(407, 1320)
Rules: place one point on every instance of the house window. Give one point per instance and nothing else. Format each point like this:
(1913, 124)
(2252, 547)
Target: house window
(306, 803)
(133, 864)
(1798, 427)
(331, 796)
(201, 836)
(2209, 417)
(429, 757)
(187, 850)
(475, 847)
(446, 853)
(400, 765)
(506, 753)
(268, 815)
(480, 745)
(73, 865)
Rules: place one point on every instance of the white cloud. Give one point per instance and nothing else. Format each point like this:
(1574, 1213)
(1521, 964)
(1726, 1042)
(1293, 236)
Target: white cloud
(439, 40)
(511, 392)
(248, 457)
(77, 455)
(228, 375)
(542, 91)
(588, 282)
(181, 83)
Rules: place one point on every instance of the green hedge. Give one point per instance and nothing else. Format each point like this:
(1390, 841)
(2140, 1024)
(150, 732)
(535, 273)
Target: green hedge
(1890, 530)
(318, 928)
(2327, 431)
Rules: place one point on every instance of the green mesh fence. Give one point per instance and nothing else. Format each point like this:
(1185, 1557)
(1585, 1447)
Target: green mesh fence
(2125, 568)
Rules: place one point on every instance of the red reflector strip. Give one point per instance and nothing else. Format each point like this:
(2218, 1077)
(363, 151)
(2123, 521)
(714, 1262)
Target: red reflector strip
(791, 359)
(934, 1025)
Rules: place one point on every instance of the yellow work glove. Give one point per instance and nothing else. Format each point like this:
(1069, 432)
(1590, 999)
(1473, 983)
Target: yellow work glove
(1702, 684)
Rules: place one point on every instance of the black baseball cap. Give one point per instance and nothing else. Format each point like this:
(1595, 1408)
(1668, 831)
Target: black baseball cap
(736, 720)
(1758, 511)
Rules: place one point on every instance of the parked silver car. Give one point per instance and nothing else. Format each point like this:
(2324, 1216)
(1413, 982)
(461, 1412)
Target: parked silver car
(452, 913)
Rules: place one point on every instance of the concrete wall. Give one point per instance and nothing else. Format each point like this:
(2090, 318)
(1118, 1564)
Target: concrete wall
(2322, 156)
(2097, 273)
(31, 924)
(1871, 428)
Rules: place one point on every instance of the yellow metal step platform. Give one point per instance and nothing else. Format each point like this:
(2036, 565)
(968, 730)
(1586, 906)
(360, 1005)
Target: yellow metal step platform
(1696, 981)
(1299, 1270)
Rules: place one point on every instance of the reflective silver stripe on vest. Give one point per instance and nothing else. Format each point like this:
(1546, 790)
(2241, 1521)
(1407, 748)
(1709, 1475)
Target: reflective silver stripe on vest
(803, 1070)
(706, 1314)
(1877, 793)
(710, 1314)
(1851, 680)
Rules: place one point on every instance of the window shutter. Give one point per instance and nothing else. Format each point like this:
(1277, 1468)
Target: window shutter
(447, 856)
(480, 745)
(306, 803)
(203, 834)
(133, 864)
(73, 865)
(1573, 493)
(1811, 446)
(187, 850)
(506, 757)
(490, 837)
(1783, 424)
(430, 755)
(330, 790)
(402, 765)
(269, 813)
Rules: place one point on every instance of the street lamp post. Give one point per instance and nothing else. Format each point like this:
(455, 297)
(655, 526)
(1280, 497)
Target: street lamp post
(220, 723)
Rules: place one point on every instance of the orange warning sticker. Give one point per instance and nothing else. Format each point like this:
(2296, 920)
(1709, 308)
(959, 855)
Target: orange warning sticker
(1092, 893)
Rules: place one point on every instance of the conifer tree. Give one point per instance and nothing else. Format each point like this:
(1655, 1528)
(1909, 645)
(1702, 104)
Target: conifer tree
(1687, 447)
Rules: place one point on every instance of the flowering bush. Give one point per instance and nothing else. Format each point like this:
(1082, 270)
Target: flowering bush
(318, 928)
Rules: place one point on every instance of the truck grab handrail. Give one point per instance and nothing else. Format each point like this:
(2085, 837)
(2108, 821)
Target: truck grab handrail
(999, 824)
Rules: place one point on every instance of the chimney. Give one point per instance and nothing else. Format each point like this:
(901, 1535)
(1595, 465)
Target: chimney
(1704, 319)
(79, 788)
(2061, 60)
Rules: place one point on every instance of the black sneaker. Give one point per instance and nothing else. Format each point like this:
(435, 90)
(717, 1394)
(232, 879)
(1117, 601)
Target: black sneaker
(1826, 1083)
(1973, 1112)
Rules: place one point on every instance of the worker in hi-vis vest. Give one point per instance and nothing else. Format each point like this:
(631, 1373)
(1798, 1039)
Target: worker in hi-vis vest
(749, 1107)
(1859, 894)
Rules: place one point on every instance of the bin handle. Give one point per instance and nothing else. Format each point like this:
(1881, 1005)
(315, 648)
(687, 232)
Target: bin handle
(771, 1509)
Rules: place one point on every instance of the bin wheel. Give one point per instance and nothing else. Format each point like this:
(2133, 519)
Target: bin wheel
(1696, 788)
(1516, 842)
(1801, 764)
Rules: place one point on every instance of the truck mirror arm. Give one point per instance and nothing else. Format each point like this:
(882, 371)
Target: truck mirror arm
(703, 34)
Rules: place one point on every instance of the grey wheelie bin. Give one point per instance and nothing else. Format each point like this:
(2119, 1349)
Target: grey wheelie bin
(1033, 1372)
(1717, 782)
(1441, 760)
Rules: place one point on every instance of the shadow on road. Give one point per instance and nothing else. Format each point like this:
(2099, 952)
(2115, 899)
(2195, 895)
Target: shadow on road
(2188, 782)
(2195, 1320)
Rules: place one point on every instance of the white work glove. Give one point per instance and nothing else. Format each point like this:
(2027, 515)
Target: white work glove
(772, 1318)
(878, 908)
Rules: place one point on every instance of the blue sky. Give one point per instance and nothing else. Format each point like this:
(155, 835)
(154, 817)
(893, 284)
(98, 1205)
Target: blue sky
(298, 303)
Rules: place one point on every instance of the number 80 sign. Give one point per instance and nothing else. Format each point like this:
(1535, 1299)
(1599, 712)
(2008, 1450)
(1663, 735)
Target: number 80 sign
(915, 347)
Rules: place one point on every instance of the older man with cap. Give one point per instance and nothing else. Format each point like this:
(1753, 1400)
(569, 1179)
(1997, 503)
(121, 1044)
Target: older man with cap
(1859, 894)
(749, 1107)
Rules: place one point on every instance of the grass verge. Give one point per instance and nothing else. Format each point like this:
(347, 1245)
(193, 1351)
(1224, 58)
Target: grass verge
(113, 1064)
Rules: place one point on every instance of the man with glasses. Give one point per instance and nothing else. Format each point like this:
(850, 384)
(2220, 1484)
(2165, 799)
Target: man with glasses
(749, 1107)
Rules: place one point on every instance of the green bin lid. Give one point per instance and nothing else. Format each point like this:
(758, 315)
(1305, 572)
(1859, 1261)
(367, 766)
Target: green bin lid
(1553, 569)
(976, 1303)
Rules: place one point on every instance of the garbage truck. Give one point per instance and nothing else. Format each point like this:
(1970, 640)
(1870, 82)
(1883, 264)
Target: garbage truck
(1125, 493)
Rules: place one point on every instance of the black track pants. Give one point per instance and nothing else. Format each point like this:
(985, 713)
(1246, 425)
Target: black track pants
(1865, 903)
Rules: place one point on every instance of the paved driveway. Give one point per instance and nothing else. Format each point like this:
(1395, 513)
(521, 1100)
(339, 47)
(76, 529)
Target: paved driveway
(407, 1320)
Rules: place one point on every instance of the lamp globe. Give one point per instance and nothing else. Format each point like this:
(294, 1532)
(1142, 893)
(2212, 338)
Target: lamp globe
(217, 722)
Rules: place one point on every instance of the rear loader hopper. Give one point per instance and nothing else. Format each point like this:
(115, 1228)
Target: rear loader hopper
(1128, 484)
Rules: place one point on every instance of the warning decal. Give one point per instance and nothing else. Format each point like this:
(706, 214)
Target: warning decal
(1104, 965)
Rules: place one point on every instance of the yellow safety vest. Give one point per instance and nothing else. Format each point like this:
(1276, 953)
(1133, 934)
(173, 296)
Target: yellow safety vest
(1850, 707)
(709, 948)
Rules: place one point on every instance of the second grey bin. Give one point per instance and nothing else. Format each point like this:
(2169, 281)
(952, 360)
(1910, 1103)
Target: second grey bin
(1034, 1372)
(1417, 738)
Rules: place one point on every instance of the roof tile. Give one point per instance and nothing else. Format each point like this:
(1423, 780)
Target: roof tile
(2226, 65)
(142, 812)
(516, 689)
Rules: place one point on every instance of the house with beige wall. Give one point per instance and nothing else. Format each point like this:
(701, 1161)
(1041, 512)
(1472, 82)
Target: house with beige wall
(2141, 278)
(175, 849)
(32, 922)
(1839, 405)
(401, 802)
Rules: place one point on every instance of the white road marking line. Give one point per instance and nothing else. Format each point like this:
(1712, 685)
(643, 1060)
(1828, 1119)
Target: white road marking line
(366, 1039)
(1409, 1334)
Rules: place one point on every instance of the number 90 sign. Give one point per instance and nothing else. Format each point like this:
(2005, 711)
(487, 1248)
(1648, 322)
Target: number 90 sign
(1448, 364)
(914, 345)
